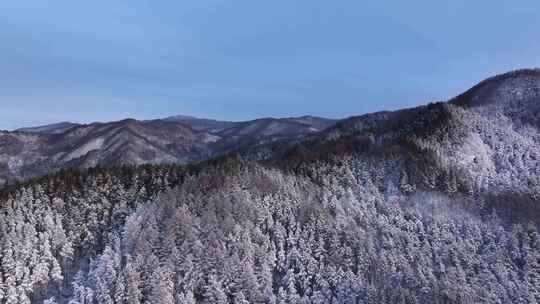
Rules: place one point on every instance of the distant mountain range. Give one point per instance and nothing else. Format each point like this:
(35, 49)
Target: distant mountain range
(35, 151)
(258, 127)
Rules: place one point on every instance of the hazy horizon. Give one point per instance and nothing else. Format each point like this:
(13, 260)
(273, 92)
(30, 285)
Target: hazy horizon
(102, 61)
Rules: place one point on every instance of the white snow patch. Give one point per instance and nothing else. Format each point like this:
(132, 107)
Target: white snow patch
(209, 138)
(92, 145)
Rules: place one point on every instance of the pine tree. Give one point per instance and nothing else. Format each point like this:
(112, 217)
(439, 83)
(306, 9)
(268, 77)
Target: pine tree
(239, 298)
(213, 292)
(133, 293)
(186, 298)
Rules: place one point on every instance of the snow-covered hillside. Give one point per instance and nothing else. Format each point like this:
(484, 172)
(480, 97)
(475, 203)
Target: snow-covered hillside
(434, 204)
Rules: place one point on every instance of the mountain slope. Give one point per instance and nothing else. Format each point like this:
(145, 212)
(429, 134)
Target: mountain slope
(25, 155)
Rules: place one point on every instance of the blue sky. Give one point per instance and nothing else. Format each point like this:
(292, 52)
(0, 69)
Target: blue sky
(105, 60)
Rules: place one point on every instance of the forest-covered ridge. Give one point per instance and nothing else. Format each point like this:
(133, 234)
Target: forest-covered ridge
(434, 204)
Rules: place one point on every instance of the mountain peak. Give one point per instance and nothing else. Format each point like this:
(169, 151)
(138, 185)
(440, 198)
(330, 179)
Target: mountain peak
(521, 84)
(515, 95)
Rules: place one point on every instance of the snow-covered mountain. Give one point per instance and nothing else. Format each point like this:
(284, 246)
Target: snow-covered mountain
(124, 142)
(30, 152)
(485, 141)
(434, 204)
(490, 131)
